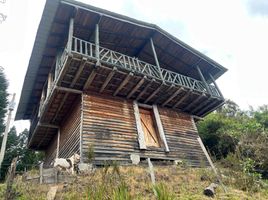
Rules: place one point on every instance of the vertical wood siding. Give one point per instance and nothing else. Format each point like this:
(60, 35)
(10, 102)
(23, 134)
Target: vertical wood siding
(69, 136)
(109, 126)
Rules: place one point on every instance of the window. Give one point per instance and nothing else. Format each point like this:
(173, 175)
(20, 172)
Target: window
(149, 127)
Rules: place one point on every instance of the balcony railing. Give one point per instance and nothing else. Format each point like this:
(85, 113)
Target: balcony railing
(134, 65)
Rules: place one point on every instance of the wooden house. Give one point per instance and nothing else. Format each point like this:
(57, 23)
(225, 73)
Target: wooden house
(122, 86)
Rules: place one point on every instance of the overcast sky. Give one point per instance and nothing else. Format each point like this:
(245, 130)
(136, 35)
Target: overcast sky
(232, 32)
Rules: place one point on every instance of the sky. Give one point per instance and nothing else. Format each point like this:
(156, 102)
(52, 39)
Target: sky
(232, 32)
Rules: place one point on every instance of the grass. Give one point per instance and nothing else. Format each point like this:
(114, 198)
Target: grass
(133, 182)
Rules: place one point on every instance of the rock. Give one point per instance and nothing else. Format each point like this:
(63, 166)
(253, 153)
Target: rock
(135, 158)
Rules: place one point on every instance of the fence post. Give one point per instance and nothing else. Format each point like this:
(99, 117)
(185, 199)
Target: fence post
(41, 173)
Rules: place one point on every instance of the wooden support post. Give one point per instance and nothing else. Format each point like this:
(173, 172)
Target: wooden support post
(172, 96)
(70, 35)
(156, 60)
(97, 44)
(81, 129)
(144, 90)
(216, 86)
(139, 84)
(153, 94)
(49, 84)
(203, 80)
(41, 173)
(107, 80)
(210, 162)
(141, 138)
(123, 83)
(194, 102)
(69, 90)
(182, 99)
(160, 127)
(90, 79)
(58, 143)
(42, 100)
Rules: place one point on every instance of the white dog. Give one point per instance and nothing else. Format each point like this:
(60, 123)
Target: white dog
(67, 163)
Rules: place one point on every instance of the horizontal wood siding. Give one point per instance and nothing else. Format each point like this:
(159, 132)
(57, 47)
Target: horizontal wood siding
(109, 126)
(69, 136)
(70, 132)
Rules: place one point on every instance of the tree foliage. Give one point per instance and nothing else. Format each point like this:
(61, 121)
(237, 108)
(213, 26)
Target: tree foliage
(17, 146)
(230, 130)
(3, 98)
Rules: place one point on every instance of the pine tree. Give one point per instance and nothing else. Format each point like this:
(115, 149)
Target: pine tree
(3, 99)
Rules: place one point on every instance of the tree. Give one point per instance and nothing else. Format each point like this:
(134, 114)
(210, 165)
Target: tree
(3, 98)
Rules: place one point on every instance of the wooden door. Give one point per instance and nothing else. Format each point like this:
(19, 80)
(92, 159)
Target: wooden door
(149, 128)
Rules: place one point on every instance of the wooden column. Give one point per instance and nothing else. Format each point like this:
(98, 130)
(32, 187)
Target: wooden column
(97, 44)
(156, 60)
(141, 138)
(70, 35)
(203, 79)
(216, 86)
(49, 83)
(58, 143)
(81, 129)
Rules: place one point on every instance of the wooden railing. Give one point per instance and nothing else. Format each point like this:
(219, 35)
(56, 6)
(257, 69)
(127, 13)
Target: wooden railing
(134, 65)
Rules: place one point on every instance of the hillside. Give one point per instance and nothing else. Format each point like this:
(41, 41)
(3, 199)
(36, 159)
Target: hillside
(172, 182)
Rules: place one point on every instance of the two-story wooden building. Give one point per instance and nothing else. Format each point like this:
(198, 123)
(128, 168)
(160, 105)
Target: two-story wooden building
(118, 84)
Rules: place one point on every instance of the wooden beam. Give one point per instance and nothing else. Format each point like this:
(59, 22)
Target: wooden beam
(60, 106)
(48, 125)
(49, 83)
(216, 86)
(141, 138)
(194, 102)
(153, 94)
(160, 127)
(107, 80)
(90, 79)
(64, 68)
(201, 105)
(156, 60)
(215, 108)
(123, 83)
(203, 79)
(207, 107)
(69, 90)
(79, 71)
(139, 84)
(173, 96)
(182, 99)
(70, 35)
(145, 89)
(164, 94)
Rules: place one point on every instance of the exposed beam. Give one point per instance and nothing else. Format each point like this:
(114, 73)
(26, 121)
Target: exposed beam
(216, 86)
(138, 51)
(145, 89)
(48, 125)
(207, 107)
(153, 94)
(201, 105)
(69, 90)
(173, 96)
(90, 79)
(139, 84)
(203, 79)
(182, 99)
(79, 71)
(64, 69)
(107, 80)
(123, 83)
(60, 106)
(156, 60)
(194, 102)
(215, 108)
(70, 35)
(164, 94)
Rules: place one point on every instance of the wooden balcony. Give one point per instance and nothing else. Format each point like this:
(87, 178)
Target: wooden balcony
(82, 67)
